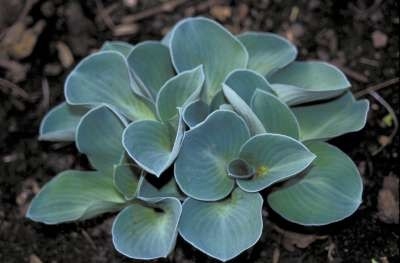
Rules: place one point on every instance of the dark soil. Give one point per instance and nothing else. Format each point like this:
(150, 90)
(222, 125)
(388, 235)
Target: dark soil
(341, 32)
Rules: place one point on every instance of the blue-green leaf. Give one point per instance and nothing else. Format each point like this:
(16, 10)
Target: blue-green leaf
(217, 101)
(104, 77)
(226, 106)
(309, 81)
(178, 92)
(126, 180)
(330, 191)
(99, 137)
(166, 40)
(201, 41)
(244, 82)
(275, 115)
(75, 195)
(200, 169)
(119, 46)
(275, 158)
(149, 231)
(244, 110)
(330, 119)
(60, 123)
(149, 192)
(151, 64)
(267, 52)
(153, 145)
(195, 112)
(225, 228)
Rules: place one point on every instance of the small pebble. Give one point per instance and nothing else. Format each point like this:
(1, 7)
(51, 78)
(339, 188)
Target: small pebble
(379, 39)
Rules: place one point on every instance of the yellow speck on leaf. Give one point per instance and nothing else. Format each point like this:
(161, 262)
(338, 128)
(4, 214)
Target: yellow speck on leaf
(262, 170)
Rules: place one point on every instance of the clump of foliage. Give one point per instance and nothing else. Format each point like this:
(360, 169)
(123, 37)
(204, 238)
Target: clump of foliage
(183, 134)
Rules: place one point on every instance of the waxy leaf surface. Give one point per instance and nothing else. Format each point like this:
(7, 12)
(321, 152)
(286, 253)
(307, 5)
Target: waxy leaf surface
(178, 92)
(275, 158)
(104, 77)
(225, 228)
(126, 180)
(147, 231)
(267, 52)
(151, 65)
(302, 82)
(119, 46)
(151, 193)
(244, 110)
(99, 137)
(153, 145)
(275, 116)
(195, 112)
(60, 123)
(330, 191)
(245, 82)
(75, 195)
(330, 119)
(207, 149)
(200, 41)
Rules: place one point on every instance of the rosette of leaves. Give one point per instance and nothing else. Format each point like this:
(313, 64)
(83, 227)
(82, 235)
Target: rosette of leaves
(185, 133)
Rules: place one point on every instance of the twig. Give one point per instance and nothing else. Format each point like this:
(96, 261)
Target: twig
(365, 11)
(104, 13)
(203, 6)
(389, 108)
(45, 102)
(89, 239)
(165, 7)
(15, 90)
(354, 74)
(369, 62)
(27, 8)
(351, 73)
(276, 254)
(331, 248)
(377, 87)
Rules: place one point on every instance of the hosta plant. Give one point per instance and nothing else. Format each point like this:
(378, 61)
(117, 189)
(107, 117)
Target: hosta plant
(184, 134)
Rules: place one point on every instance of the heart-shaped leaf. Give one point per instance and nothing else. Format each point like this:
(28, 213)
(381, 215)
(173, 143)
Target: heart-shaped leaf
(275, 115)
(126, 180)
(225, 228)
(330, 119)
(267, 52)
(149, 192)
(104, 77)
(309, 81)
(330, 191)
(211, 42)
(200, 169)
(147, 231)
(178, 92)
(60, 123)
(244, 82)
(153, 145)
(75, 195)
(195, 112)
(119, 46)
(99, 137)
(244, 110)
(275, 158)
(151, 64)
